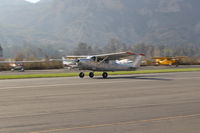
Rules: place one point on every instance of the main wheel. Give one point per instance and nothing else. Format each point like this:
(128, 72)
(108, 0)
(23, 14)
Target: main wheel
(105, 75)
(81, 75)
(91, 74)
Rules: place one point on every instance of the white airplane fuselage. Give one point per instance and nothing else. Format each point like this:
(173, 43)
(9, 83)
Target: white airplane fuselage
(102, 66)
(111, 65)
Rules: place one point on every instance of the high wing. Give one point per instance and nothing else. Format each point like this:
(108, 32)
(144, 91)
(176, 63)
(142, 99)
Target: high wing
(116, 56)
(77, 57)
(110, 56)
(176, 57)
(163, 58)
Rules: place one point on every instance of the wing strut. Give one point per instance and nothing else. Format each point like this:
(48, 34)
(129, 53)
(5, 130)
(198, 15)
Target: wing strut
(103, 60)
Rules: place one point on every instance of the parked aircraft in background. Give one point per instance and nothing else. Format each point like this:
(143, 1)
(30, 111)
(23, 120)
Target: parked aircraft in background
(106, 62)
(168, 60)
(69, 63)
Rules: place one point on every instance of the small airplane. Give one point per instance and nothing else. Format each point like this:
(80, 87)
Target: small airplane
(167, 60)
(106, 62)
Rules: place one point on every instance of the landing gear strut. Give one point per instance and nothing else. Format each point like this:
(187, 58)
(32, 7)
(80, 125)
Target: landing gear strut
(91, 74)
(81, 75)
(105, 75)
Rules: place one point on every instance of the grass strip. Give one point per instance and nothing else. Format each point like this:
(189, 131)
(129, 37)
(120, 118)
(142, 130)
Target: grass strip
(97, 73)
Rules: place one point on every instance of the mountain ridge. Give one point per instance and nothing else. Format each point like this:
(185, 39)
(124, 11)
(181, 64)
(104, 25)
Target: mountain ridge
(65, 23)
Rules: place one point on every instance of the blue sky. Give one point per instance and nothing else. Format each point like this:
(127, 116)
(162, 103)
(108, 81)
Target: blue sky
(33, 1)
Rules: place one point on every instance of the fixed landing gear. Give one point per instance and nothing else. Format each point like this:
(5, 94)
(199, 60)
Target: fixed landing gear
(91, 74)
(81, 75)
(105, 75)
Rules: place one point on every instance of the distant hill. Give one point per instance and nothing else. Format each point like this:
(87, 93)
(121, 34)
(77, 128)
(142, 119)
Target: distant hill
(64, 23)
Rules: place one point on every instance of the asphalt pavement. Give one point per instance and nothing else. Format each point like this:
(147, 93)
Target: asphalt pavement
(147, 103)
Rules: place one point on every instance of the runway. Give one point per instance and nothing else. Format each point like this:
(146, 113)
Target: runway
(148, 103)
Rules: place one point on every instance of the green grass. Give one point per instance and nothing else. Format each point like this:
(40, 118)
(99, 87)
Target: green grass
(97, 73)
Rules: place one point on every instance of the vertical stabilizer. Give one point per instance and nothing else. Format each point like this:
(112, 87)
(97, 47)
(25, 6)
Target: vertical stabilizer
(138, 61)
(63, 58)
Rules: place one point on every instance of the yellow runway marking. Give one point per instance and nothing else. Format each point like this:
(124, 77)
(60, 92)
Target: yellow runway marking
(119, 123)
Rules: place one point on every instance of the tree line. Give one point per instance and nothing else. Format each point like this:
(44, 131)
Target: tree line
(150, 50)
(30, 51)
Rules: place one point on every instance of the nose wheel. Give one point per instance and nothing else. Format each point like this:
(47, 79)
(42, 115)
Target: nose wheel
(81, 75)
(105, 75)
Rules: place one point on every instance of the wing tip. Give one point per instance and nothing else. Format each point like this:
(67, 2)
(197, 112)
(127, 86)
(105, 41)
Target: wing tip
(131, 53)
(142, 54)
